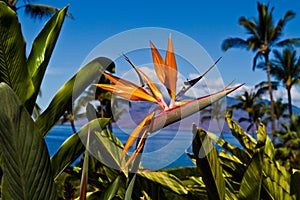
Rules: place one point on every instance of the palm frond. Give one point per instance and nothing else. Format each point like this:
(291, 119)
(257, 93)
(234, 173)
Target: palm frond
(234, 43)
(41, 11)
(257, 56)
(289, 42)
(282, 22)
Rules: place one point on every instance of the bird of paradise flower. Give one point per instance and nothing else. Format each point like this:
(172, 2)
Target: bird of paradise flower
(163, 115)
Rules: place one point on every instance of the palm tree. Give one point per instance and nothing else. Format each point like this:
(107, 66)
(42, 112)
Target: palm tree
(263, 36)
(280, 111)
(33, 10)
(216, 111)
(256, 110)
(286, 68)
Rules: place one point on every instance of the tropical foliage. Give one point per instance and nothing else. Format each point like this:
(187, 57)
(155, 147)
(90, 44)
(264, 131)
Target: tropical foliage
(264, 35)
(22, 139)
(223, 171)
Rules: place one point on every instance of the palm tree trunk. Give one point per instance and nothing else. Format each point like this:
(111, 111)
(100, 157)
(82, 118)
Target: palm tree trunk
(271, 95)
(290, 102)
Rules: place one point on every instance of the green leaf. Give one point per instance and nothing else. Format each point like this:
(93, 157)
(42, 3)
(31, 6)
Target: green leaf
(130, 188)
(165, 180)
(252, 181)
(244, 138)
(13, 67)
(27, 172)
(62, 100)
(233, 167)
(112, 190)
(41, 52)
(73, 147)
(277, 178)
(183, 172)
(208, 163)
(239, 153)
(107, 149)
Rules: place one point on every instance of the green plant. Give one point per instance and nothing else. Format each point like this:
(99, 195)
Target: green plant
(248, 173)
(26, 166)
(264, 35)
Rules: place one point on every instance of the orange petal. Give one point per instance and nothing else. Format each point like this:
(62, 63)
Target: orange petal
(129, 92)
(159, 63)
(154, 90)
(136, 132)
(171, 70)
(116, 79)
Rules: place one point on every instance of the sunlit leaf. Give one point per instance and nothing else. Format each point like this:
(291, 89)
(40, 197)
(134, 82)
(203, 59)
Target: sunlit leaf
(41, 52)
(207, 161)
(112, 190)
(165, 180)
(62, 100)
(130, 188)
(73, 147)
(13, 66)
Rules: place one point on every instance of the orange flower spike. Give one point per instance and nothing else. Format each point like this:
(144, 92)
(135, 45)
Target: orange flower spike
(126, 92)
(126, 89)
(159, 63)
(154, 90)
(135, 133)
(171, 72)
(135, 153)
(116, 79)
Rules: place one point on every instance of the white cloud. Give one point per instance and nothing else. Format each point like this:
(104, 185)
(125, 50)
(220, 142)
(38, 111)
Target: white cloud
(55, 71)
(280, 93)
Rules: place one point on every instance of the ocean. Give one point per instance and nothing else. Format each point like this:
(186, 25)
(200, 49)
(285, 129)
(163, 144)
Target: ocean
(163, 149)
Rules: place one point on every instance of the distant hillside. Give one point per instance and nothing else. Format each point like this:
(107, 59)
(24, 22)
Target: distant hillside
(139, 110)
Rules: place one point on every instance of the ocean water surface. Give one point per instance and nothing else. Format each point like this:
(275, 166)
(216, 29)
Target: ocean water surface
(164, 149)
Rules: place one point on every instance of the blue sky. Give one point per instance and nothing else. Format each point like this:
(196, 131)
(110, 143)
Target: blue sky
(207, 22)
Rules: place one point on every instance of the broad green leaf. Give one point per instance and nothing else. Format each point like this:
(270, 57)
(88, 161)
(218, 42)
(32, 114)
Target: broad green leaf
(27, 172)
(13, 67)
(107, 149)
(244, 138)
(68, 92)
(41, 52)
(233, 167)
(239, 153)
(230, 192)
(251, 184)
(73, 147)
(276, 178)
(112, 190)
(183, 172)
(165, 180)
(130, 188)
(208, 162)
